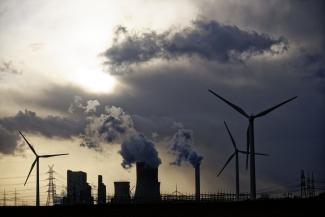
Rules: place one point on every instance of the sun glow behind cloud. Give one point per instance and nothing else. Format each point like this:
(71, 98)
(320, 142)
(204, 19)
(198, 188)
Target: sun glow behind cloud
(94, 80)
(71, 36)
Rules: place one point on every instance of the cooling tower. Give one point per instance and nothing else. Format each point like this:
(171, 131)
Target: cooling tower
(147, 187)
(197, 182)
(122, 192)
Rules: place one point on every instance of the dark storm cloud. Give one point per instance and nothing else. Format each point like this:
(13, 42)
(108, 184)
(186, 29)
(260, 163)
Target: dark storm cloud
(315, 64)
(207, 39)
(48, 126)
(30, 122)
(8, 140)
(299, 20)
(85, 122)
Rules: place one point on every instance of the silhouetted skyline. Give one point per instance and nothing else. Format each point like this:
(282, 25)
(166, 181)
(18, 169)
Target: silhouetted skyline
(113, 83)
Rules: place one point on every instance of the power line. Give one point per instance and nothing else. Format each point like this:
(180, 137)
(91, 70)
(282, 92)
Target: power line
(14, 177)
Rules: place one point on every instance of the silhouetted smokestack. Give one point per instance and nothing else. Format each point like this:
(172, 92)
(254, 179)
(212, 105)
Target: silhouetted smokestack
(147, 187)
(197, 182)
(121, 192)
(101, 191)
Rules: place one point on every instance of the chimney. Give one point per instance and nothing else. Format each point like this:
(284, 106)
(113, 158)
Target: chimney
(147, 187)
(197, 182)
(121, 192)
(101, 191)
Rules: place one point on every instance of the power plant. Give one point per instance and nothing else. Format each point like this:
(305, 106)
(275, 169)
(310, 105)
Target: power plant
(78, 190)
(148, 186)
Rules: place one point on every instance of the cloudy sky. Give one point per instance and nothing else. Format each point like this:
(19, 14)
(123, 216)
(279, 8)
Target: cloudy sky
(114, 82)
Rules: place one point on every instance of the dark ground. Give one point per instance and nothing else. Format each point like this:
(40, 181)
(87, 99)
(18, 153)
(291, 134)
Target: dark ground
(274, 208)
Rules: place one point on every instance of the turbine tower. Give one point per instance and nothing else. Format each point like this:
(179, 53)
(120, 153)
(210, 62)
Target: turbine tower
(250, 133)
(36, 161)
(235, 154)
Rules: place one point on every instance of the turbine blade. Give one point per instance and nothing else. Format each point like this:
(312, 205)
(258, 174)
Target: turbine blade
(245, 152)
(263, 154)
(247, 145)
(30, 170)
(30, 146)
(52, 155)
(229, 159)
(274, 107)
(232, 139)
(237, 108)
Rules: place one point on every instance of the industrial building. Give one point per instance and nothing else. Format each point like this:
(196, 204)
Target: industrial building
(101, 191)
(147, 186)
(121, 192)
(78, 190)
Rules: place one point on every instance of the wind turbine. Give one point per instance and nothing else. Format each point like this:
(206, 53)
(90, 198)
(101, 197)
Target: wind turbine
(235, 154)
(36, 161)
(250, 133)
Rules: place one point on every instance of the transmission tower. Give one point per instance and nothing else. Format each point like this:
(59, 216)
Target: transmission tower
(4, 197)
(16, 198)
(51, 194)
(308, 185)
(302, 184)
(313, 185)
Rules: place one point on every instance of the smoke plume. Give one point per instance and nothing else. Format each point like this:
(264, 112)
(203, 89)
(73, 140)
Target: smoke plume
(94, 124)
(138, 148)
(111, 126)
(114, 125)
(181, 146)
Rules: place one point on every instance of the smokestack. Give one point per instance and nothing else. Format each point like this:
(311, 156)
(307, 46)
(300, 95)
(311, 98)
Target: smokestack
(147, 187)
(101, 191)
(197, 182)
(121, 192)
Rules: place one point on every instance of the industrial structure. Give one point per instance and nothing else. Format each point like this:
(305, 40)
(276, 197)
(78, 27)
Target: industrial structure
(78, 190)
(307, 185)
(148, 186)
(121, 192)
(197, 182)
(101, 191)
(51, 191)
